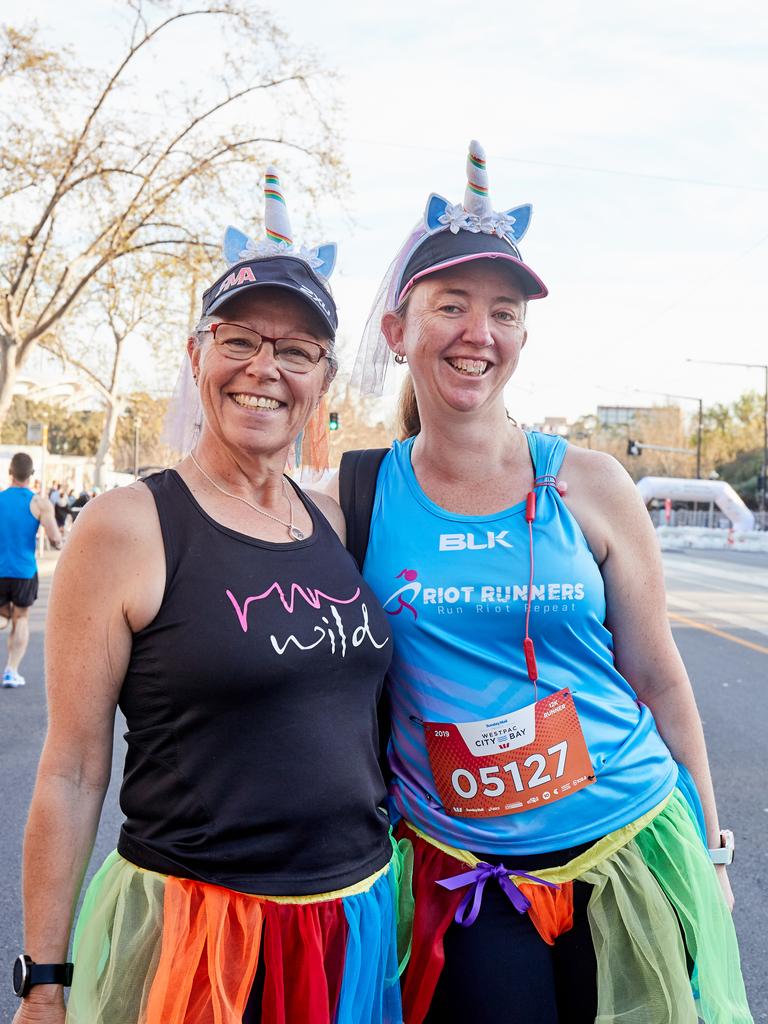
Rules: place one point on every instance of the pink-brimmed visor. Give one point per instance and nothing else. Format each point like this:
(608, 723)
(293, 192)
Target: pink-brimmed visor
(445, 249)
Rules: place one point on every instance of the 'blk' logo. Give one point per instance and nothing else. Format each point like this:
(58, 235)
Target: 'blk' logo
(468, 541)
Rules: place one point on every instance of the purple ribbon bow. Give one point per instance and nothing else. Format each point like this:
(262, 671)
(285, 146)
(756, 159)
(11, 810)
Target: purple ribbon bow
(465, 914)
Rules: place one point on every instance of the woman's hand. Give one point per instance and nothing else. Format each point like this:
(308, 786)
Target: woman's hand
(41, 1008)
(725, 885)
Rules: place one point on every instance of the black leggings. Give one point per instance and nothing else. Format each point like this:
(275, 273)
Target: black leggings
(500, 971)
(252, 1013)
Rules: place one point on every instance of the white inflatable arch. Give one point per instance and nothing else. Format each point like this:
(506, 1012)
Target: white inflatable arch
(704, 491)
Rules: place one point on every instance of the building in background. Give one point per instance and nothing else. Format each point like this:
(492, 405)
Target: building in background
(629, 415)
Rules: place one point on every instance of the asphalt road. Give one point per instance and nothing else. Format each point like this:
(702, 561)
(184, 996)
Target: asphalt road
(718, 604)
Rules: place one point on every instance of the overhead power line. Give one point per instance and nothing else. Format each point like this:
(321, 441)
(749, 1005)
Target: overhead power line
(584, 168)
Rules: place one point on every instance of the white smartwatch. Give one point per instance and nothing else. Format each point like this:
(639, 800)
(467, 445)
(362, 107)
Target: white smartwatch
(724, 853)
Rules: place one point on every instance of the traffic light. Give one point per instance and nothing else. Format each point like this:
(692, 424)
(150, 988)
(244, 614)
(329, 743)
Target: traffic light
(634, 447)
(333, 421)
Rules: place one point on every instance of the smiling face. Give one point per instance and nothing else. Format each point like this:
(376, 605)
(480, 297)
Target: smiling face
(255, 406)
(462, 334)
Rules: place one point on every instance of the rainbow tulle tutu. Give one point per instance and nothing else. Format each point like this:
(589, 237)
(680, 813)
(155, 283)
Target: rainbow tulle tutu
(155, 949)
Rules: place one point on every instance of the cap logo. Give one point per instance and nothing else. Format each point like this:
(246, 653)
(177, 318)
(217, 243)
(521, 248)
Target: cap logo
(232, 280)
(315, 298)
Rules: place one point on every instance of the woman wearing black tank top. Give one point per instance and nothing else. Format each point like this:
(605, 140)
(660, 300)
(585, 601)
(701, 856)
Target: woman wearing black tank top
(254, 879)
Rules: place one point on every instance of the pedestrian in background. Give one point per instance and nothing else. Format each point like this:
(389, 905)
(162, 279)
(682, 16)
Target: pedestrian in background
(22, 512)
(78, 504)
(61, 510)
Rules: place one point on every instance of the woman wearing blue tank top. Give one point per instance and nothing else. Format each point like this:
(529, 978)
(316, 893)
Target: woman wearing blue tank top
(254, 878)
(547, 758)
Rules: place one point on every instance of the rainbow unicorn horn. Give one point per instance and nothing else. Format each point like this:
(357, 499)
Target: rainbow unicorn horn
(276, 222)
(476, 198)
(279, 236)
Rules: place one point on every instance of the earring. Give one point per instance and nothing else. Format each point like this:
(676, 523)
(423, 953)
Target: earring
(400, 359)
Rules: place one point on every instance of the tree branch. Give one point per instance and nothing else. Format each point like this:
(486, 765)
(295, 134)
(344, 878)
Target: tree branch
(189, 127)
(36, 266)
(133, 49)
(70, 360)
(42, 328)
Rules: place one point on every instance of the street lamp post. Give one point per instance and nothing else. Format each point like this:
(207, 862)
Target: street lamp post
(764, 368)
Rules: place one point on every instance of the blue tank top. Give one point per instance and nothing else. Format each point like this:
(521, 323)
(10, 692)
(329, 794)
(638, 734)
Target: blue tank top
(18, 530)
(455, 588)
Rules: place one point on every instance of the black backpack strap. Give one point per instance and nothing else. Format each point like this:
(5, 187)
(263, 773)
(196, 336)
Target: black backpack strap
(358, 473)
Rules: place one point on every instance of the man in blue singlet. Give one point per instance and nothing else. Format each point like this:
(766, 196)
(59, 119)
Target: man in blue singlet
(22, 512)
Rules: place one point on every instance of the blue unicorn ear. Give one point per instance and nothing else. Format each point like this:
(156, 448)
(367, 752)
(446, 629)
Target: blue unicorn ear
(436, 207)
(234, 243)
(326, 253)
(522, 219)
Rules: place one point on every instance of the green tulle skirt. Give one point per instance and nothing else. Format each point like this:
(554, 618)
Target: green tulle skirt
(663, 935)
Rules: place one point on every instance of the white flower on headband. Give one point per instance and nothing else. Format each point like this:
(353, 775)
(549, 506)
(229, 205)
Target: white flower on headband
(456, 218)
(505, 224)
(501, 224)
(260, 250)
(309, 256)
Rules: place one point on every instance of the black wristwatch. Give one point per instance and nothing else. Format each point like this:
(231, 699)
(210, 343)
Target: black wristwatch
(26, 974)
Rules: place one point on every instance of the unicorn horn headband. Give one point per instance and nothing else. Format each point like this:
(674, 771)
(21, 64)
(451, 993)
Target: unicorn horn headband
(456, 233)
(279, 236)
(275, 260)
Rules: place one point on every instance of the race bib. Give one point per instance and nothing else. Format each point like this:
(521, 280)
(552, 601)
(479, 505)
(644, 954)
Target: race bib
(510, 763)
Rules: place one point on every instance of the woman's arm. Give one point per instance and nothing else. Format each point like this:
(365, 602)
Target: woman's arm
(47, 518)
(614, 519)
(102, 589)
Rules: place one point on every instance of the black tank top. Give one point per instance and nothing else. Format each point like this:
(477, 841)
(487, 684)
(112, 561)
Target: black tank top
(251, 708)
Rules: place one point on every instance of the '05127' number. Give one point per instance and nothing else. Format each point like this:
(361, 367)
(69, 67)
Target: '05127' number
(494, 784)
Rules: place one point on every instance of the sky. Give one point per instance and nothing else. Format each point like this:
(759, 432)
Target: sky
(637, 130)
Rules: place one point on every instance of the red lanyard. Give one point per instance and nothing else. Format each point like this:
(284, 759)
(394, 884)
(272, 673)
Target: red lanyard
(530, 516)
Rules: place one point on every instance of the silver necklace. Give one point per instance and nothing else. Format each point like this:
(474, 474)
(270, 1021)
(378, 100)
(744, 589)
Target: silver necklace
(293, 530)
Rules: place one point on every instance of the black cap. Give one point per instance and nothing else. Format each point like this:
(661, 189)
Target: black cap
(445, 249)
(289, 272)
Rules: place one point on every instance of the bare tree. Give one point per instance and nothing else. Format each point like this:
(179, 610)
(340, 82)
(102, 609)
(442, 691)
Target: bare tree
(125, 301)
(88, 181)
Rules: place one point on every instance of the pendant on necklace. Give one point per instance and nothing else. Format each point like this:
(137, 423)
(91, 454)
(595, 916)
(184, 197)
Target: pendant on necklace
(296, 533)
